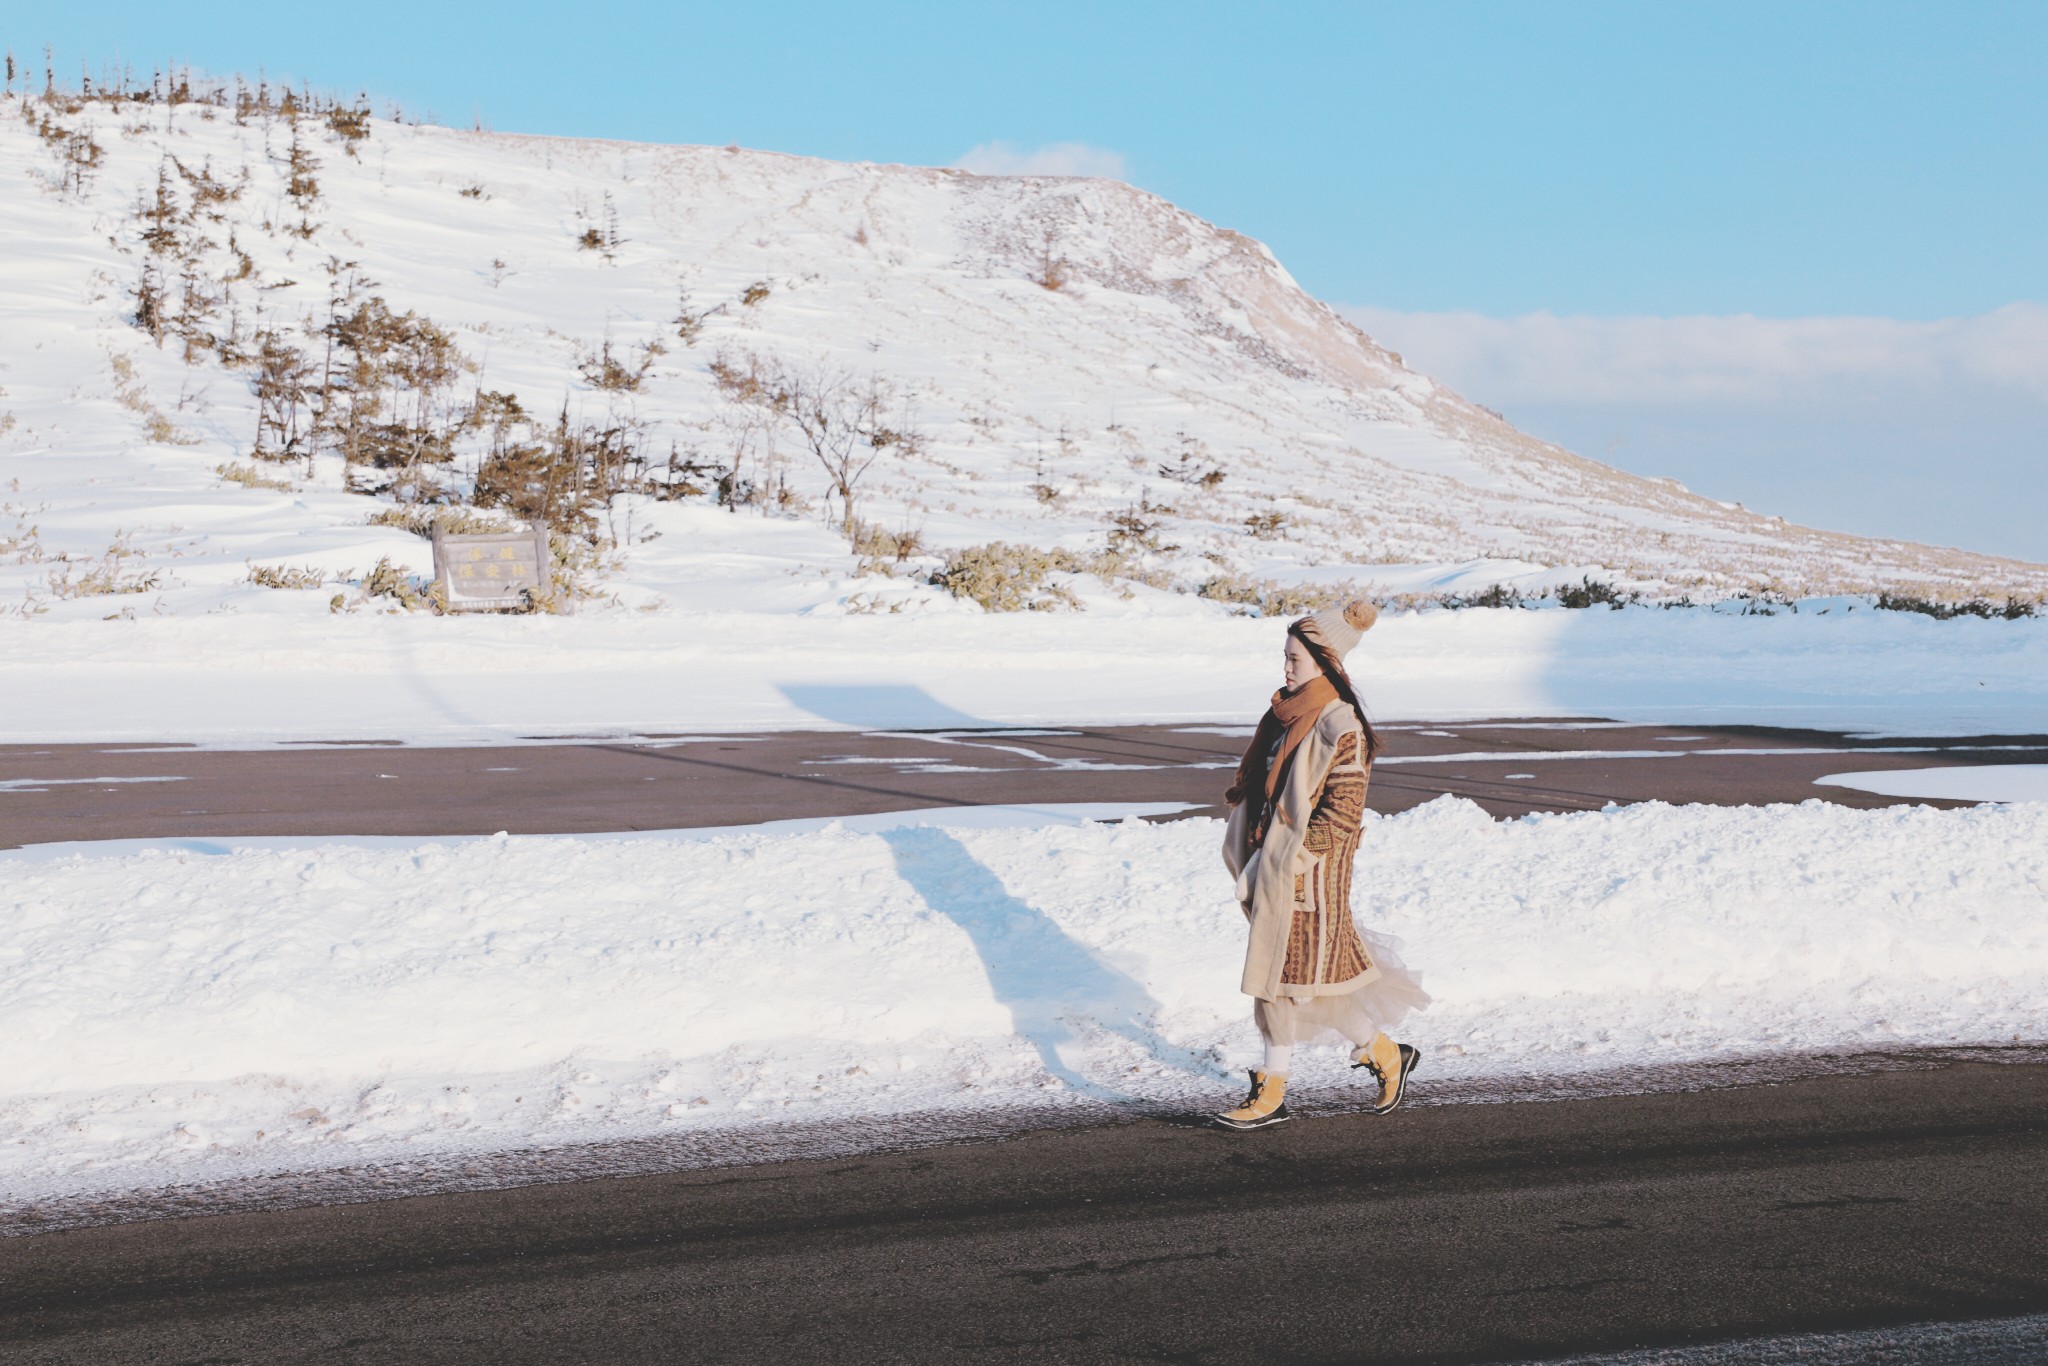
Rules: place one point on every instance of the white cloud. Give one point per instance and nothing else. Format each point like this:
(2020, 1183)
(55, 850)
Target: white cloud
(1542, 358)
(1054, 158)
(1932, 431)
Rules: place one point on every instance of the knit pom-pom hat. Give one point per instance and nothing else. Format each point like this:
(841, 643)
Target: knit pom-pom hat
(1341, 628)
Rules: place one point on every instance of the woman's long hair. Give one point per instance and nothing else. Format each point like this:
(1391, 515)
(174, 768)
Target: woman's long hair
(1333, 668)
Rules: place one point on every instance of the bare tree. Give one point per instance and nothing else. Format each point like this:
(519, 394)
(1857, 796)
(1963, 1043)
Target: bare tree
(838, 418)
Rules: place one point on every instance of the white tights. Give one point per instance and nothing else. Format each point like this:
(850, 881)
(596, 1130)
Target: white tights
(1357, 1017)
(1280, 1056)
(1285, 1023)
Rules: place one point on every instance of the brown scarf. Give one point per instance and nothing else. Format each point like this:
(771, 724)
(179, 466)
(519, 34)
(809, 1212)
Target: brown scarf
(1294, 713)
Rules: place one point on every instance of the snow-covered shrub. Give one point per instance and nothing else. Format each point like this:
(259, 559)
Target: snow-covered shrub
(391, 403)
(564, 475)
(1009, 578)
(1119, 566)
(1135, 530)
(883, 548)
(387, 580)
(605, 240)
(287, 576)
(1269, 599)
(604, 370)
(1003, 577)
(1494, 595)
(350, 124)
(688, 321)
(419, 519)
(2013, 609)
(104, 577)
(1592, 592)
(1764, 602)
(78, 153)
(1266, 526)
(249, 477)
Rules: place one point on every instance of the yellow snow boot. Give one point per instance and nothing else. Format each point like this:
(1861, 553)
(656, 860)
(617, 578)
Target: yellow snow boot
(1265, 1104)
(1390, 1063)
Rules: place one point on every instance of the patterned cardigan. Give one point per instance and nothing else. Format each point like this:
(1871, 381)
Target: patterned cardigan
(1297, 890)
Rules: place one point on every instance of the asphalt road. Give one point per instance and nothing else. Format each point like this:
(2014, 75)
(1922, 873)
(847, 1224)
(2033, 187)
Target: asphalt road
(71, 792)
(1450, 1233)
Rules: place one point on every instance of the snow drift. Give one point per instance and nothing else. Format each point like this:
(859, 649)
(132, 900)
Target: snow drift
(197, 1010)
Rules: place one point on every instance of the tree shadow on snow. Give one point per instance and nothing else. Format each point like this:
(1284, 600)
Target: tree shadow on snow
(1053, 986)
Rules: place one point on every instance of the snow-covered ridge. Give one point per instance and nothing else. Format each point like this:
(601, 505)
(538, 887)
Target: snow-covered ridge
(1169, 349)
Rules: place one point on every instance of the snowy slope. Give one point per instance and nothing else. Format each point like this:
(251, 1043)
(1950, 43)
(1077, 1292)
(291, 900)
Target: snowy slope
(1168, 344)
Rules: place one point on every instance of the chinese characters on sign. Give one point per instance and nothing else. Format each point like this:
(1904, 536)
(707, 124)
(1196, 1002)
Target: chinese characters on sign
(494, 571)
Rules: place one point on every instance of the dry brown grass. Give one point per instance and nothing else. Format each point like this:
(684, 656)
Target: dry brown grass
(104, 577)
(285, 576)
(251, 477)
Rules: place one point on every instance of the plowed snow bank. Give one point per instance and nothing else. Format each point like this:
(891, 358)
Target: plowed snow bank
(172, 1015)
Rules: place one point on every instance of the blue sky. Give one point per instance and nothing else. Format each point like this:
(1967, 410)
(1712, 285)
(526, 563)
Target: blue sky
(1637, 160)
(1664, 158)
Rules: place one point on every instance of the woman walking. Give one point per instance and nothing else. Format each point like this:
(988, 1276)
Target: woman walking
(1295, 813)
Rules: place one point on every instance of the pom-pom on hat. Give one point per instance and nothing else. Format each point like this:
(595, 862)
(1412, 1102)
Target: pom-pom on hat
(1341, 628)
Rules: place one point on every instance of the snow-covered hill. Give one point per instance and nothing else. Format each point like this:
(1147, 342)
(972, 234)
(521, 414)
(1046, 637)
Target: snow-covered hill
(1063, 352)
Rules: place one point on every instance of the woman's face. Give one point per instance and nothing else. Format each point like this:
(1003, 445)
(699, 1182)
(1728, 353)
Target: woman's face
(1301, 665)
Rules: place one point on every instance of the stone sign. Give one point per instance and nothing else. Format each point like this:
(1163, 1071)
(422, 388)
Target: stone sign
(492, 571)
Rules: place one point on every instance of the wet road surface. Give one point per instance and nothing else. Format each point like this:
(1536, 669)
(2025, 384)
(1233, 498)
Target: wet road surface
(1450, 1233)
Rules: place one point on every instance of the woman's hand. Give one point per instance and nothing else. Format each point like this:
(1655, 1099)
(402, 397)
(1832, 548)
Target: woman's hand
(1305, 861)
(1248, 878)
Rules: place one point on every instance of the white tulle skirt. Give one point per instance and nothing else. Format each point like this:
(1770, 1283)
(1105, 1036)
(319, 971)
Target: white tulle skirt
(1353, 1017)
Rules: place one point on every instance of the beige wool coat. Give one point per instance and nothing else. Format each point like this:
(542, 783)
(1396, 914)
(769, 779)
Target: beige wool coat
(1285, 880)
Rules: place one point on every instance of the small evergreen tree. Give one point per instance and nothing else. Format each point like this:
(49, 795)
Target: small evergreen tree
(351, 125)
(281, 386)
(300, 186)
(197, 303)
(613, 238)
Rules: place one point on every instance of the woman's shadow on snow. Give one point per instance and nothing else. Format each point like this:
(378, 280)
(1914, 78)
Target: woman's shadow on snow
(1051, 985)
